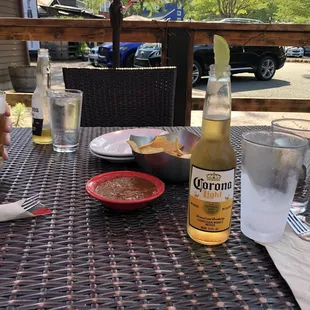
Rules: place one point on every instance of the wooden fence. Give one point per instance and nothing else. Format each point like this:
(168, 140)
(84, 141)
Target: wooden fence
(178, 39)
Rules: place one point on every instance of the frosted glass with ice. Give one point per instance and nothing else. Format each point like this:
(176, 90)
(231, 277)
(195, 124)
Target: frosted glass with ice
(264, 211)
(271, 163)
(299, 127)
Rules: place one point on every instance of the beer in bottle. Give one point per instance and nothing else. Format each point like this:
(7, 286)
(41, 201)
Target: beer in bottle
(41, 128)
(212, 166)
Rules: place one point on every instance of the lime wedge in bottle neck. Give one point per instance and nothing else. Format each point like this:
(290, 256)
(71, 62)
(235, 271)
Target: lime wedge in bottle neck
(221, 55)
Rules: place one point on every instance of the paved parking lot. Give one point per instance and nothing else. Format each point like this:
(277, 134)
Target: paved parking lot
(292, 81)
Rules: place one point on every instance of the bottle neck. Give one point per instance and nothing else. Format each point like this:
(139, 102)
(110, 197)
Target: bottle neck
(217, 107)
(43, 72)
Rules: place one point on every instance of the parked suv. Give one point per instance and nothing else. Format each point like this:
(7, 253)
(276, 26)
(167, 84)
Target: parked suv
(263, 61)
(127, 53)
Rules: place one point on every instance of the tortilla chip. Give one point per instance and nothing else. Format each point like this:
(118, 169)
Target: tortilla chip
(134, 146)
(163, 142)
(159, 141)
(186, 156)
(169, 147)
(178, 147)
(160, 144)
(151, 150)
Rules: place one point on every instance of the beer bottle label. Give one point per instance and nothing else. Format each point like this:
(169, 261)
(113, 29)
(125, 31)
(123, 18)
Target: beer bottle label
(211, 199)
(37, 117)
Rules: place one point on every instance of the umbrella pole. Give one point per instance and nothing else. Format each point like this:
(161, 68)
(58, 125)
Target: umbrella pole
(116, 19)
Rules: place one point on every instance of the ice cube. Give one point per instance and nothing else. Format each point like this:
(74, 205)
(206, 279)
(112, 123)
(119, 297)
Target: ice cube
(281, 142)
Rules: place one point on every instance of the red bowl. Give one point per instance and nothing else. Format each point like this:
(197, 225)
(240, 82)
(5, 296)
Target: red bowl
(124, 205)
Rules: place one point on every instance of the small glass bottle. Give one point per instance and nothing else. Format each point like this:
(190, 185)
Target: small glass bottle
(212, 167)
(41, 128)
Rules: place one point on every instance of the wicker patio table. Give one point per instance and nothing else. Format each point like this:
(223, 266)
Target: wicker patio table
(83, 256)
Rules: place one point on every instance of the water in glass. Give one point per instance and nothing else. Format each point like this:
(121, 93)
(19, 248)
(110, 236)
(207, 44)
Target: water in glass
(65, 112)
(271, 163)
(299, 127)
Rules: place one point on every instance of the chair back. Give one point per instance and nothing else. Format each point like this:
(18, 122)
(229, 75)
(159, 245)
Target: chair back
(124, 97)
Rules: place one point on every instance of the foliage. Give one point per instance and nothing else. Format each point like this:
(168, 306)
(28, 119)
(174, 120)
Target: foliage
(94, 5)
(135, 9)
(150, 5)
(18, 114)
(297, 11)
(266, 14)
(218, 9)
(293, 11)
(82, 50)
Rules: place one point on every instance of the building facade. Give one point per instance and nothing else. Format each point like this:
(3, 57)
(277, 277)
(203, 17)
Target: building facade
(11, 52)
(171, 11)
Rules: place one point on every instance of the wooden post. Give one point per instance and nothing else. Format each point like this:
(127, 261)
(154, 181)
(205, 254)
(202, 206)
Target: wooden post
(163, 40)
(116, 19)
(27, 56)
(180, 54)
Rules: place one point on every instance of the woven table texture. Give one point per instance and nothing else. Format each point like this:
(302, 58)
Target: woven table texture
(83, 256)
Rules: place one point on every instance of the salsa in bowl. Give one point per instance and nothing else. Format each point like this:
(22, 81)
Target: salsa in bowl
(125, 190)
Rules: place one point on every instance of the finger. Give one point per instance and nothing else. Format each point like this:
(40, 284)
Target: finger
(8, 125)
(7, 139)
(7, 110)
(5, 154)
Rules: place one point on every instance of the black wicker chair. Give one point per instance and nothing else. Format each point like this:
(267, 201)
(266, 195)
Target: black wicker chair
(124, 97)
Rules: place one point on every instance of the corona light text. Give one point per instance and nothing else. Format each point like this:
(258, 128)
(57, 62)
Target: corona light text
(201, 184)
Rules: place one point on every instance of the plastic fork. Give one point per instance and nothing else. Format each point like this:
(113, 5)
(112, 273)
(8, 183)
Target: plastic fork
(31, 202)
(301, 230)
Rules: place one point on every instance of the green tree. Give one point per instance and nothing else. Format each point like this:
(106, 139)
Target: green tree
(137, 9)
(150, 5)
(94, 5)
(154, 5)
(218, 9)
(293, 11)
(182, 3)
(267, 13)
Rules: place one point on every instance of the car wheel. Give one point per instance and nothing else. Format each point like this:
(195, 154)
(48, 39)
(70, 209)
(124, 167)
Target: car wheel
(196, 72)
(129, 61)
(266, 69)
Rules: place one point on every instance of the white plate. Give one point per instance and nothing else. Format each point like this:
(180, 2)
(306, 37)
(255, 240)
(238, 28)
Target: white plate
(115, 143)
(114, 159)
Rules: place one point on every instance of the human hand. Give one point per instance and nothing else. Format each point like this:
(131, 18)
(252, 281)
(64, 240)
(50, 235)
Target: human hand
(7, 130)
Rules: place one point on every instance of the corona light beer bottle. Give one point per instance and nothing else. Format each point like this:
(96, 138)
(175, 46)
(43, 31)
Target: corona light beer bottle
(213, 163)
(41, 128)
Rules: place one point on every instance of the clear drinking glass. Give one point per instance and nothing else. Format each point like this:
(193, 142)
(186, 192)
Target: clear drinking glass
(299, 127)
(65, 108)
(271, 163)
(2, 123)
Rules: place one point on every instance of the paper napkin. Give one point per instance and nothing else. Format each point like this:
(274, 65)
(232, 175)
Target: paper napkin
(24, 208)
(291, 255)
